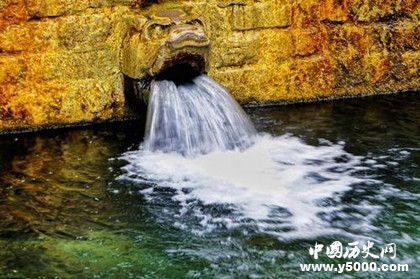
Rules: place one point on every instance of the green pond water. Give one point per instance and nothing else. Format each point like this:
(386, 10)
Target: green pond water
(73, 206)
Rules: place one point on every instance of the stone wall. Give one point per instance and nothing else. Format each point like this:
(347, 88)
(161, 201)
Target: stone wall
(60, 60)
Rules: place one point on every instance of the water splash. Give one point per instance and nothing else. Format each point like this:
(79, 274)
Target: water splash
(195, 118)
(222, 174)
(280, 185)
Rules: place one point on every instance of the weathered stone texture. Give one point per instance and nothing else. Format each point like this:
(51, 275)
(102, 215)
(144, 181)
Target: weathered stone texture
(268, 14)
(60, 61)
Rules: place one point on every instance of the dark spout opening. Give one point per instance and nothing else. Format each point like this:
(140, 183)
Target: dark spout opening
(182, 68)
(179, 74)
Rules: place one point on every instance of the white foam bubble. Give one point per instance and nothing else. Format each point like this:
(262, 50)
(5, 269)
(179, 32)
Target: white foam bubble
(280, 185)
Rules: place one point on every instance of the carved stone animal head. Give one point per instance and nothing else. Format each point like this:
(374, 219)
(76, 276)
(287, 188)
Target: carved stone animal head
(169, 39)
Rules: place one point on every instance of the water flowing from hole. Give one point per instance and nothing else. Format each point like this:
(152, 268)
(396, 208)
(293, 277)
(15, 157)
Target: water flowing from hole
(201, 145)
(198, 117)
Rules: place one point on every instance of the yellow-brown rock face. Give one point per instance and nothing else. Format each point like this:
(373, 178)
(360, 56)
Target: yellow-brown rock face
(60, 61)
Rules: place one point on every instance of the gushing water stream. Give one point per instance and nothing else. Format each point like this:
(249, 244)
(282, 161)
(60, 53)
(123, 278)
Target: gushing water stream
(200, 144)
(195, 118)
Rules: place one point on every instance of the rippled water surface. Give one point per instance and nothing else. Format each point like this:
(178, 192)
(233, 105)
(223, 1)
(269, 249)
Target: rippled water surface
(91, 203)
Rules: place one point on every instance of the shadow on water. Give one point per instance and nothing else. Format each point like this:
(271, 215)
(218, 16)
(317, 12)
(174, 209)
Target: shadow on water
(49, 179)
(62, 211)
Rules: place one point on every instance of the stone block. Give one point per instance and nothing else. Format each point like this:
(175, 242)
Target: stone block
(334, 11)
(411, 63)
(241, 82)
(54, 8)
(311, 78)
(377, 68)
(274, 83)
(308, 41)
(348, 41)
(66, 101)
(307, 13)
(270, 14)
(71, 65)
(404, 36)
(84, 31)
(30, 36)
(275, 46)
(12, 12)
(12, 69)
(239, 49)
(380, 10)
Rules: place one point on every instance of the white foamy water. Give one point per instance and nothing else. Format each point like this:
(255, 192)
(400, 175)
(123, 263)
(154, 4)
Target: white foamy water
(280, 185)
(201, 145)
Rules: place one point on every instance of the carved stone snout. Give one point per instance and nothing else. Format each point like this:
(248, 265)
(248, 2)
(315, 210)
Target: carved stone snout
(167, 40)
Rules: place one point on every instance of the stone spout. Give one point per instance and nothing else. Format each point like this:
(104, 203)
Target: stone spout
(171, 45)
